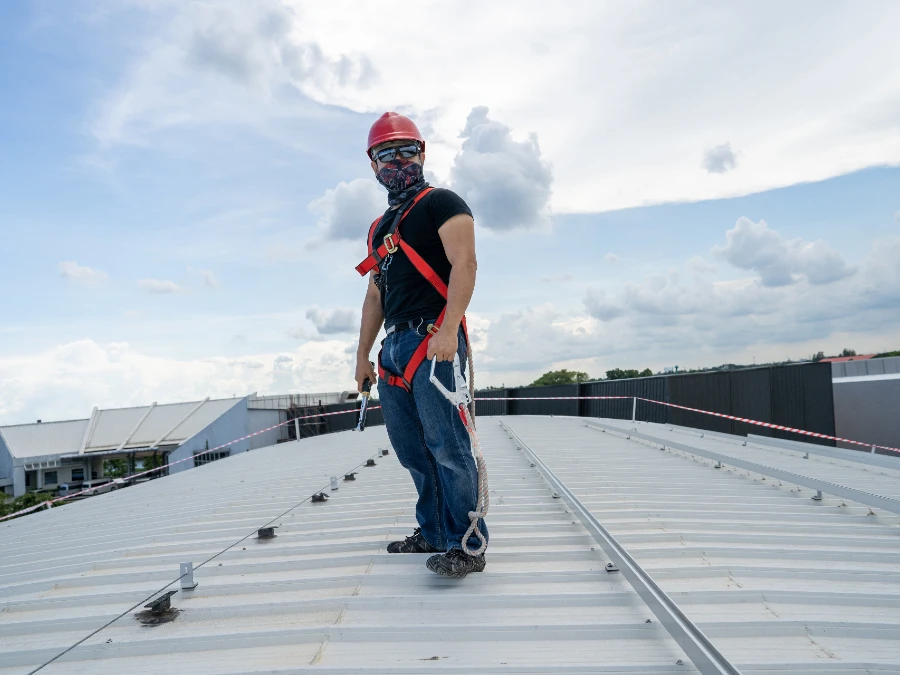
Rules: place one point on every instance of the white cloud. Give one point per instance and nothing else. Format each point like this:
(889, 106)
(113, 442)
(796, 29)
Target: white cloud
(600, 306)
(81, 274)
(347, 210)
(698, 265)
(160, 286)
(779, 261)
(556, 278)
(897, 216)
(66, 381)
(719, 159)
(505, 182)
(209, 279)
(338, 320)
(664, 319)
(611, 258)
(686, 84)
(229, 62)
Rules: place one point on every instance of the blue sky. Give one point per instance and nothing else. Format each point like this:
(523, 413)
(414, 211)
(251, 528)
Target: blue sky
(184, 192)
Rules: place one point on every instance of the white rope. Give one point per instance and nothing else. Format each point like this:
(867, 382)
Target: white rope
(462, 400)
(484, 498)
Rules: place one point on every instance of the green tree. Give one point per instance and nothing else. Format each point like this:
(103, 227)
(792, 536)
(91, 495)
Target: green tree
(619, 374)
(646, 372)
(8, 506)
(848, 352)
(115, 468)
(818, 356)
(560, 377)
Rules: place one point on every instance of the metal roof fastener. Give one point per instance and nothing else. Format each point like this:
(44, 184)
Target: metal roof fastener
(385, 452)
(162, 604)
(334, 484)
(321, 497)
(610, 567)
(370, 462)
(350, 476)
(187, 576)
(266, 532)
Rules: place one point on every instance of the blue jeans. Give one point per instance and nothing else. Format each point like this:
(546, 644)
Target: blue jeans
(431, 442)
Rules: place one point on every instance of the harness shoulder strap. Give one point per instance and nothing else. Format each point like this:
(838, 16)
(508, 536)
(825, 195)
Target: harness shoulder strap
(391, 239)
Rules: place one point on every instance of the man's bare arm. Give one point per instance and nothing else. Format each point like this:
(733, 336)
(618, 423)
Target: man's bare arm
(372, 317)
(458, 238)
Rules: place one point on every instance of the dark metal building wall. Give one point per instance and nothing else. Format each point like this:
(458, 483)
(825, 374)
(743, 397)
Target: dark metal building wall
(788, 400)
(819, 401)
(704, 391)
(653, 388)
(799, 396)
(522, 406)
(751, 397)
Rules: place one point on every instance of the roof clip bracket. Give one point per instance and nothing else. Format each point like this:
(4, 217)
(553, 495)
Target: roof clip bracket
(321, 497)
(350, 476)
(162, 604)
(266, 532)
(187, 576)
(611, 567)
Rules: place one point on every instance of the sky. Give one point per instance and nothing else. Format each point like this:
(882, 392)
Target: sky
(184, 192)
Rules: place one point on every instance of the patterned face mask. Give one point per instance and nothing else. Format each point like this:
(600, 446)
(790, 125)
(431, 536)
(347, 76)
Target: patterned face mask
(398, 177)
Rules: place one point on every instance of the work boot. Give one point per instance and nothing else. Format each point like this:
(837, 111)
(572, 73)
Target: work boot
(414, 544)
(455, 563)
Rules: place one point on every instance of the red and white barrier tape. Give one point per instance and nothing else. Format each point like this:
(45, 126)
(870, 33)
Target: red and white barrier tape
(47, 504)
(768, 425)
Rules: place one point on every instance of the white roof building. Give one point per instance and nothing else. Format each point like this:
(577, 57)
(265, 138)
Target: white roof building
(772, 579)
(54, 448)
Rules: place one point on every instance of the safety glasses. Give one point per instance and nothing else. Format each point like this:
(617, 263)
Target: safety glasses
(390, 154)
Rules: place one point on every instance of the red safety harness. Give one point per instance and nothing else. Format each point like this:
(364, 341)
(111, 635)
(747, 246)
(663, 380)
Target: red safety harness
(391, 242)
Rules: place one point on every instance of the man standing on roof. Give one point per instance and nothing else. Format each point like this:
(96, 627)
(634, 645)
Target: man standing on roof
(421, 278)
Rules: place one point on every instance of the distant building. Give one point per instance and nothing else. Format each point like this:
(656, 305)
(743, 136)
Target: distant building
(844, 359)
(45, 455)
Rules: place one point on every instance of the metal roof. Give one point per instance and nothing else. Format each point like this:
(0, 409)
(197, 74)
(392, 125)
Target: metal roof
(778, 582)
(168, 424)
(46, 438)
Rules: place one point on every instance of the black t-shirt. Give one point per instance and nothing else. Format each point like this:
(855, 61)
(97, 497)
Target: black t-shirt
(405, 293)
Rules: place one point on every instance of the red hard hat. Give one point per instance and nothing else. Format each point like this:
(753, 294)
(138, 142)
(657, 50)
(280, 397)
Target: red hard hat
(393, 127)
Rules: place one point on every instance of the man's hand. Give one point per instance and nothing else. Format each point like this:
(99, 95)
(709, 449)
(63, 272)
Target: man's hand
(443, 344)
(364, 370)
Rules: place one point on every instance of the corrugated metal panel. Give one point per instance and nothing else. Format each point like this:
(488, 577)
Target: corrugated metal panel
(818, 400)
(788, 400)
(50, 438)
(885, 366)
(751, 399)
(113, 426)
(522, 406)
(324, 595)
(779, 582)
(208, 413)
(705, 391)
(653, 388)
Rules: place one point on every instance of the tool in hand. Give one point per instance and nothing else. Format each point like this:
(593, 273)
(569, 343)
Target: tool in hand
(366, 390)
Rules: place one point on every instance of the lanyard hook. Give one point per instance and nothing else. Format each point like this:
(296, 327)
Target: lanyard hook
(461, 394)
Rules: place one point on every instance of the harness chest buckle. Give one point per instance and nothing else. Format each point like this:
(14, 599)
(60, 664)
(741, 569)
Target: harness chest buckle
(431, 328)
(390, 244)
